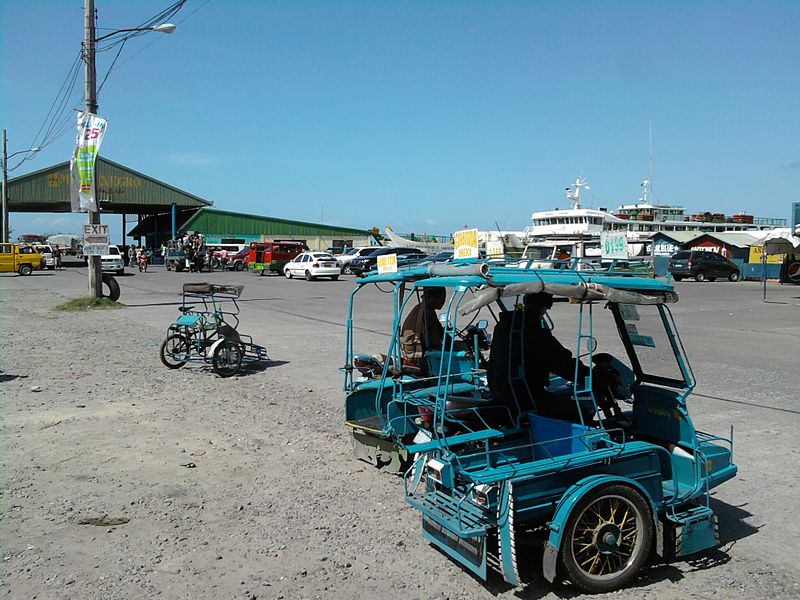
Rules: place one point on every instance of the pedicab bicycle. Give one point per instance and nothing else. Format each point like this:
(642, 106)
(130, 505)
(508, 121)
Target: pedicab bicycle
(209, 334)
(604, 465)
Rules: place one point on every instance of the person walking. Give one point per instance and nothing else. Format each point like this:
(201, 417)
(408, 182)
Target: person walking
(132, 256)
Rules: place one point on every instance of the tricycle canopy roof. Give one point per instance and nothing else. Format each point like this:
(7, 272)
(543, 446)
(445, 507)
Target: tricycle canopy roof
(496, 280)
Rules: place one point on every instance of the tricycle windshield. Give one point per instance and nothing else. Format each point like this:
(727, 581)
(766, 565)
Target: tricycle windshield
(652, 344)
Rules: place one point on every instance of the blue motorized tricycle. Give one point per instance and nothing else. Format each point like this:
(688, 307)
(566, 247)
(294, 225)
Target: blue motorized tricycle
(604, 466)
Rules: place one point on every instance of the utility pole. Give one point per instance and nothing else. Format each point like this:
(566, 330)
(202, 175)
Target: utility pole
(95, 270)
(5, 190)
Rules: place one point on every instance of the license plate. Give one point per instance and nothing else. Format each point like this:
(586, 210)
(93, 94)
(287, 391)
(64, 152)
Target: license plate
(327, 265)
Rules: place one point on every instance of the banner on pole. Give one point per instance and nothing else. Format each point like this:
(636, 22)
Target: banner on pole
(91, 129)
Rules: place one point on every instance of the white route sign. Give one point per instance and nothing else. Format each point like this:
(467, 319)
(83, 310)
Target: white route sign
(614, 245)
(387, 263)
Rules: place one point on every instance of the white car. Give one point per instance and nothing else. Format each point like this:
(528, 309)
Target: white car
(47, 253)
(312, 265)
(113, 260)
(352, 253)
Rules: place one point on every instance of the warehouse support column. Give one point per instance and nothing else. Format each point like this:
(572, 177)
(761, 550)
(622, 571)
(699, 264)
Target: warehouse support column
(123, 232)
(174, 219)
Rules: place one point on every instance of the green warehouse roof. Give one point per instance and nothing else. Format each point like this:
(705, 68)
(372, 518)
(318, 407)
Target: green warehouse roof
(119, 189)
(209, 220)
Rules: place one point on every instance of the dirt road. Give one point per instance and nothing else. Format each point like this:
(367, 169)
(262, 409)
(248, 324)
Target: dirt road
(123, 479)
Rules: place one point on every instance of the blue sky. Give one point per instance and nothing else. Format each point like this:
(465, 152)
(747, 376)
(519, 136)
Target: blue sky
(426, 115)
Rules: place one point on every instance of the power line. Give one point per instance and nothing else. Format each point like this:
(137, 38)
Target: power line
(55, 113)
(59, 117)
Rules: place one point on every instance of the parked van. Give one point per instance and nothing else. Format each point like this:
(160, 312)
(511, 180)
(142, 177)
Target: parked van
(19, 259)
(272, 256)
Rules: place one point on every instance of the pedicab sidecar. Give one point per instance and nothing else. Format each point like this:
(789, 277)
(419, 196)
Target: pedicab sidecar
(207, 331)
(622, 475)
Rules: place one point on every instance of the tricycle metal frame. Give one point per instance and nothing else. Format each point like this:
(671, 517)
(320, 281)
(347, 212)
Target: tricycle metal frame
(484, 474)
(210, 334)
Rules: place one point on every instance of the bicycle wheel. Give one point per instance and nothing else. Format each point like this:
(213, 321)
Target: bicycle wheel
(174, 351)
(227, 358)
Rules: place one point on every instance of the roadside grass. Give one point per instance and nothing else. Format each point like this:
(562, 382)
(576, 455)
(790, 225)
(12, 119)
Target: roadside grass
(79, 304)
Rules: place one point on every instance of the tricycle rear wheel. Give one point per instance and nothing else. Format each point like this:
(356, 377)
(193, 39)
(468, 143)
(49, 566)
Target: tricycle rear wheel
(607, 539)
(174, 345)
(227, 359)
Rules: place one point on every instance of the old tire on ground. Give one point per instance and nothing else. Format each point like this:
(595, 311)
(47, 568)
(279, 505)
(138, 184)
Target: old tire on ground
(734, 276)
(607, 538)
(174, 345)
(678, 277)
(25, 270)
(700, 276)
(112, 286)
(309, 276)
(227, 358)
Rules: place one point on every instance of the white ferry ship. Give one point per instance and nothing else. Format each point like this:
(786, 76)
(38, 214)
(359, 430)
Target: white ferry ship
(640, 220)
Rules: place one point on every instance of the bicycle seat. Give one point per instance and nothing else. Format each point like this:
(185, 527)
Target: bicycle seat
(184, 309)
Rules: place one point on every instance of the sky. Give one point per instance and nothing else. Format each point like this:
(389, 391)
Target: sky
(426, 116)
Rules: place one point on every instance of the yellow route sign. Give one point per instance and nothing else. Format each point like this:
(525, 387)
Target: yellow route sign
(465, 243)
(387, 263)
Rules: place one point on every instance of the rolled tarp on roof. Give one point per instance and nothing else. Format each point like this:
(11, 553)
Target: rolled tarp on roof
(780, 241)
(580, 291)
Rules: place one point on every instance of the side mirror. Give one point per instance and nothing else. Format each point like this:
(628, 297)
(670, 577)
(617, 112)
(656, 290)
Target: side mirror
(482, 325)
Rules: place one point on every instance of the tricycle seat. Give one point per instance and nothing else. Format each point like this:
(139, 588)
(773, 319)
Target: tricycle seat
(455, 440)
(190, 321)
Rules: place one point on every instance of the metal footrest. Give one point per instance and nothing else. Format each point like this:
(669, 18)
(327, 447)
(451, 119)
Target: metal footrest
(696, 529)
(455, 513)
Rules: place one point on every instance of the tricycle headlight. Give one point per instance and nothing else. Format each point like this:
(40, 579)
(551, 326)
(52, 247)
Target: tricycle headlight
(485, 495)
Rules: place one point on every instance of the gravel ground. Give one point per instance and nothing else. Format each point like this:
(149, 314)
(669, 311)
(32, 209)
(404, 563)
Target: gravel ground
(123, 479)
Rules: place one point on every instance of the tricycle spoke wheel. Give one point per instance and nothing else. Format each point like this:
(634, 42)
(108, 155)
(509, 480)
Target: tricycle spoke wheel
(227, 358)
(174, 351)
(608, 539)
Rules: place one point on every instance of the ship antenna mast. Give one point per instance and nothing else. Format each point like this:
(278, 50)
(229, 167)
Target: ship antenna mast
(574, 191)
(647, 184)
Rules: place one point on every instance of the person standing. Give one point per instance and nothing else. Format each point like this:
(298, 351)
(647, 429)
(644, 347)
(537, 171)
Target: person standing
(132, 256)
(57, 257)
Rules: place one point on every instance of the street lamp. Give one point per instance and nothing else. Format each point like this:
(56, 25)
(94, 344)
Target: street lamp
(5, 183)
(163, 28)
(89, 44)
